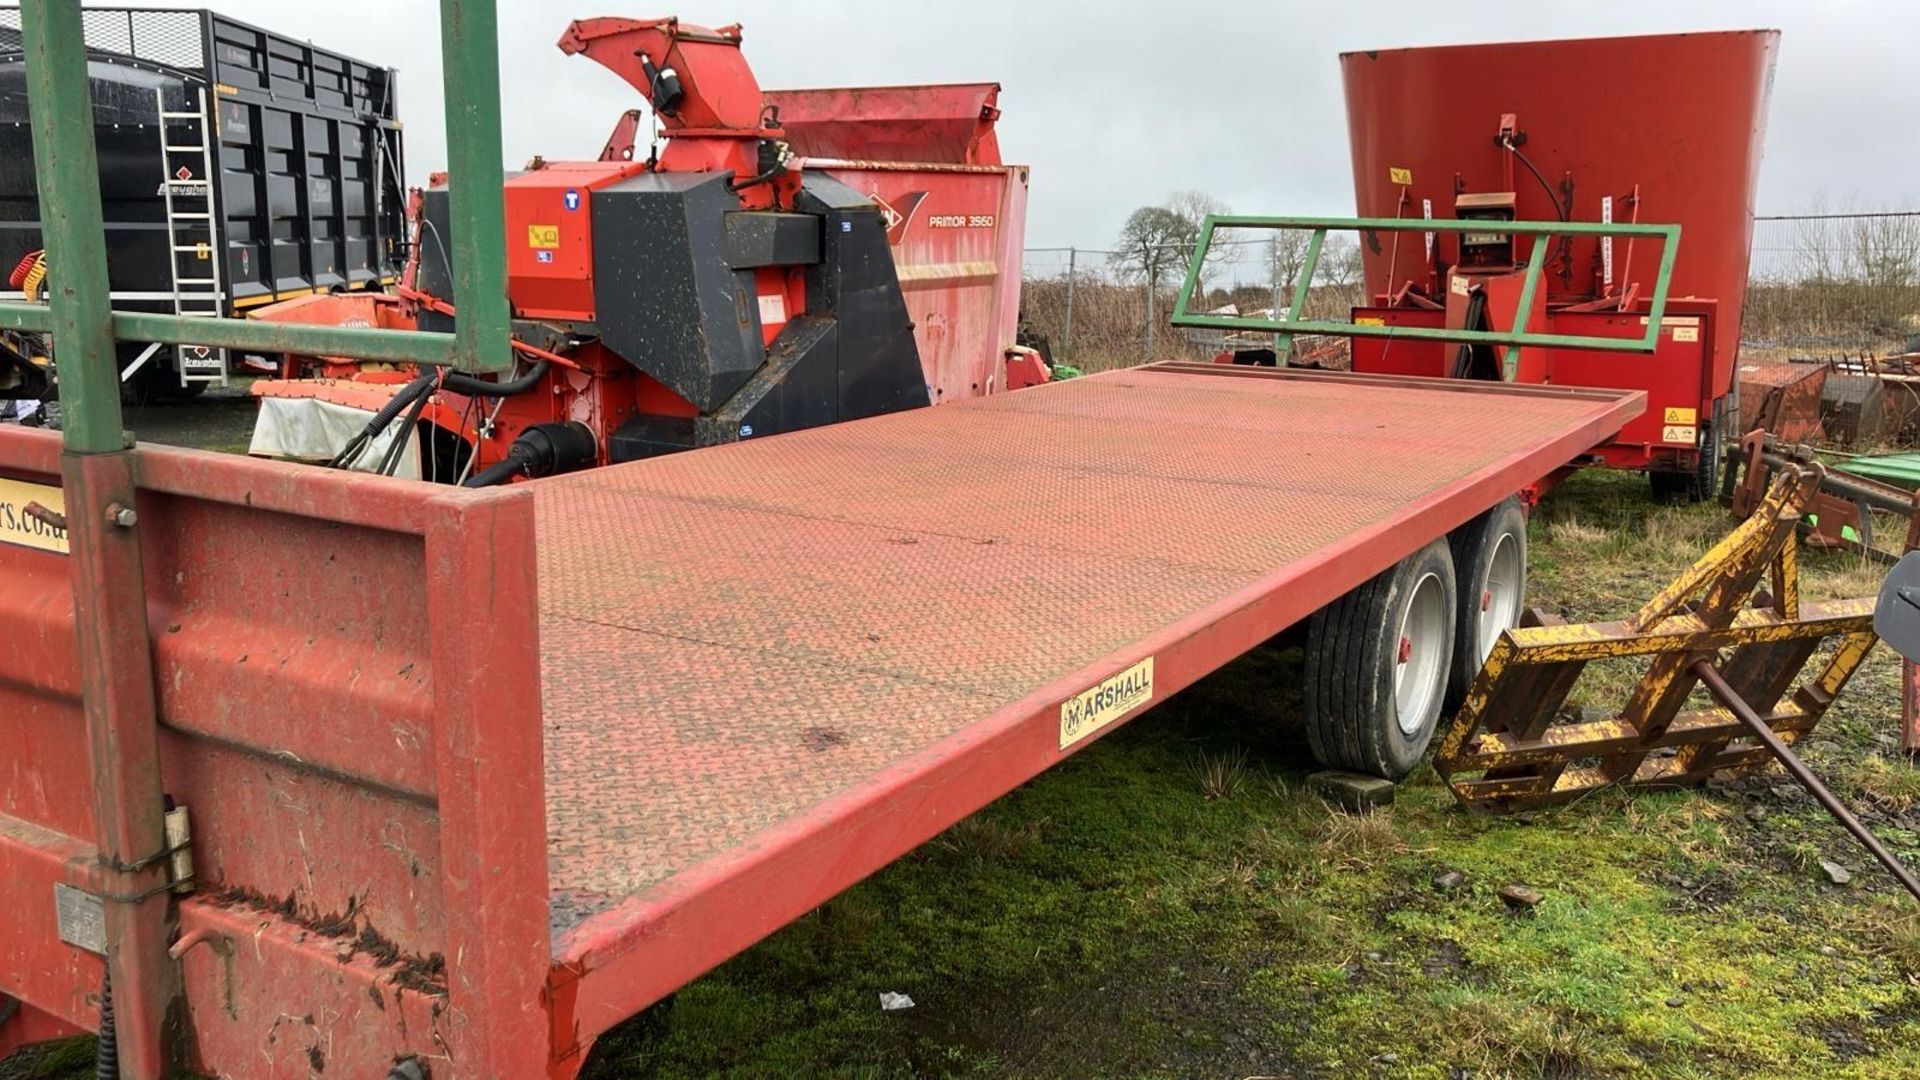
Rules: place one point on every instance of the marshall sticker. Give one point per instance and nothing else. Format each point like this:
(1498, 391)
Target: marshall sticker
(1091, 710)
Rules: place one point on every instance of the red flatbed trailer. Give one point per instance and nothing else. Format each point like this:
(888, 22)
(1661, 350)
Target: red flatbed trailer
(476, 775)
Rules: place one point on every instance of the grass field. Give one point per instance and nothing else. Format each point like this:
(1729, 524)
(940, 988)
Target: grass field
(1171, 902)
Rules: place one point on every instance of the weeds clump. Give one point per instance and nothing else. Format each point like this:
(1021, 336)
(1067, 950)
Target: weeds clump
(986, 837)
(1222, 775)
(1842, 576)
(1361, 840)
(1893, 786)
(1571, 532)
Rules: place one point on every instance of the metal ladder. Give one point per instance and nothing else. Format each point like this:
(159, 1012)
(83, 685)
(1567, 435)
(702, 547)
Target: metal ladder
(186, 184)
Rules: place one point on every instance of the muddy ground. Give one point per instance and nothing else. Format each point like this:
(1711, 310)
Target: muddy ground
(1173, 903)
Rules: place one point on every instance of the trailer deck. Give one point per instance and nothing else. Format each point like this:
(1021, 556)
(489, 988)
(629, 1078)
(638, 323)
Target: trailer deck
(736, 680)
(770, 668)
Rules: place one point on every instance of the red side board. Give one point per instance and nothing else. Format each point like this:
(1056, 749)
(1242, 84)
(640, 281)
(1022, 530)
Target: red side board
(360, 755)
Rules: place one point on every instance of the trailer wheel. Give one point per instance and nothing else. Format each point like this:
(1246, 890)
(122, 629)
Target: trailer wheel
(1377, 663)
(1490, 560)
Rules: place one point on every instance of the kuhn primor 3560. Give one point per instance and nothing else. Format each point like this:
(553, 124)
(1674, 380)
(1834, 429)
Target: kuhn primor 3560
(770, 261)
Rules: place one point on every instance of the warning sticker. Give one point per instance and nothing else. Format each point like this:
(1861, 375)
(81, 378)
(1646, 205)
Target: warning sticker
(26, 530)
(1686, 333)
(543, 236)
(1369, 320)
(1679, 433)
(1403, 177)
(1113, 698)
(1682, 416)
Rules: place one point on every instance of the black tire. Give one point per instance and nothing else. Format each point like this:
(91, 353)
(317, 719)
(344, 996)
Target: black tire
(1706, 475)
(1490, 563)
(1353, 713)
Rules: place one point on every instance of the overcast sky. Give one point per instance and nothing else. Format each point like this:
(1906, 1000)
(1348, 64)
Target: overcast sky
(1116, 104)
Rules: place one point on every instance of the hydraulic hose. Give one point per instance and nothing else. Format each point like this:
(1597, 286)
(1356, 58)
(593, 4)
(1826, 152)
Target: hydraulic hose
(541, 450)
(418, 388)
(397, 445)
(461, 383)
(497, 473)
(106, 1051)
(414, 396)
(1553, 196)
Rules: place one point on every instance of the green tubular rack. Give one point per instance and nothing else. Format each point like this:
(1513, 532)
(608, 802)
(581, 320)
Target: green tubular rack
(1544, 232)
(85, 328)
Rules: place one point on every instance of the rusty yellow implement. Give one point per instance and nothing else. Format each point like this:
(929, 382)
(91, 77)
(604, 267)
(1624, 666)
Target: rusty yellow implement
(1735, 615)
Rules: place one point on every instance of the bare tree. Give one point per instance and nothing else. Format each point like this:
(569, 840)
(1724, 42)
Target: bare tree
(1885, 251)
(1194, 207)
(1286, 257)
(1153, 243)
(1813, 252)
(1341, 257)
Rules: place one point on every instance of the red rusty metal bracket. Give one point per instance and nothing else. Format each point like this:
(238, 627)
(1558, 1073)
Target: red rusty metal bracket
(1842, 513)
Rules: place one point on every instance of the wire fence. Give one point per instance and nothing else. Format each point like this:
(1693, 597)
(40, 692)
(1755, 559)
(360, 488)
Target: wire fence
(1835, 283)
(1099, 308)
(1819, 285)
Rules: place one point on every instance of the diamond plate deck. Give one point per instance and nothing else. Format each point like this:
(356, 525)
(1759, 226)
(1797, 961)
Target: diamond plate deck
(745, 645)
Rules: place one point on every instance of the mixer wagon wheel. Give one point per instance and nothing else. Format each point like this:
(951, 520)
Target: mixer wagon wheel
(1490, 562)
(1377, 666)
(1696, 485)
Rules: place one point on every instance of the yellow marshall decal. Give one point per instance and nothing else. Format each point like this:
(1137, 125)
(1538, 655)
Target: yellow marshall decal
(1682, 416)
(543, 236)
(16, 527)
(1370, 320)
(1403, 177)
(1091, 710)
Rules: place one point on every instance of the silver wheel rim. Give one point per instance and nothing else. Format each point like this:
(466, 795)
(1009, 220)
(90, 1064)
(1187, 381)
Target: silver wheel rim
(1420, 659)
(1500, 601)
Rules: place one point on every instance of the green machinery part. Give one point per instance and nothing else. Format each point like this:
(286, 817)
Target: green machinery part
(1543, 232)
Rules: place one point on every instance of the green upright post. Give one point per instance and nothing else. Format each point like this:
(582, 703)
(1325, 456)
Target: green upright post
(1283, 343)
(470, 53)
(128, 874)
(67, 170)
(1523, 315)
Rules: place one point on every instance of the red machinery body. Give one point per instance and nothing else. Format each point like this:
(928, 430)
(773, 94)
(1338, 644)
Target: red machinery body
(782, 260)
(1676, 376)
(1664, 129)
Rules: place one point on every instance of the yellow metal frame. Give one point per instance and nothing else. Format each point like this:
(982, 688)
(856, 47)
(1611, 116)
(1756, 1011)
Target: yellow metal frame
(1506, 751)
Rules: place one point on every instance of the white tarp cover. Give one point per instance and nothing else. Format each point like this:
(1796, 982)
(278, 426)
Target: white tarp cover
(308, 429)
